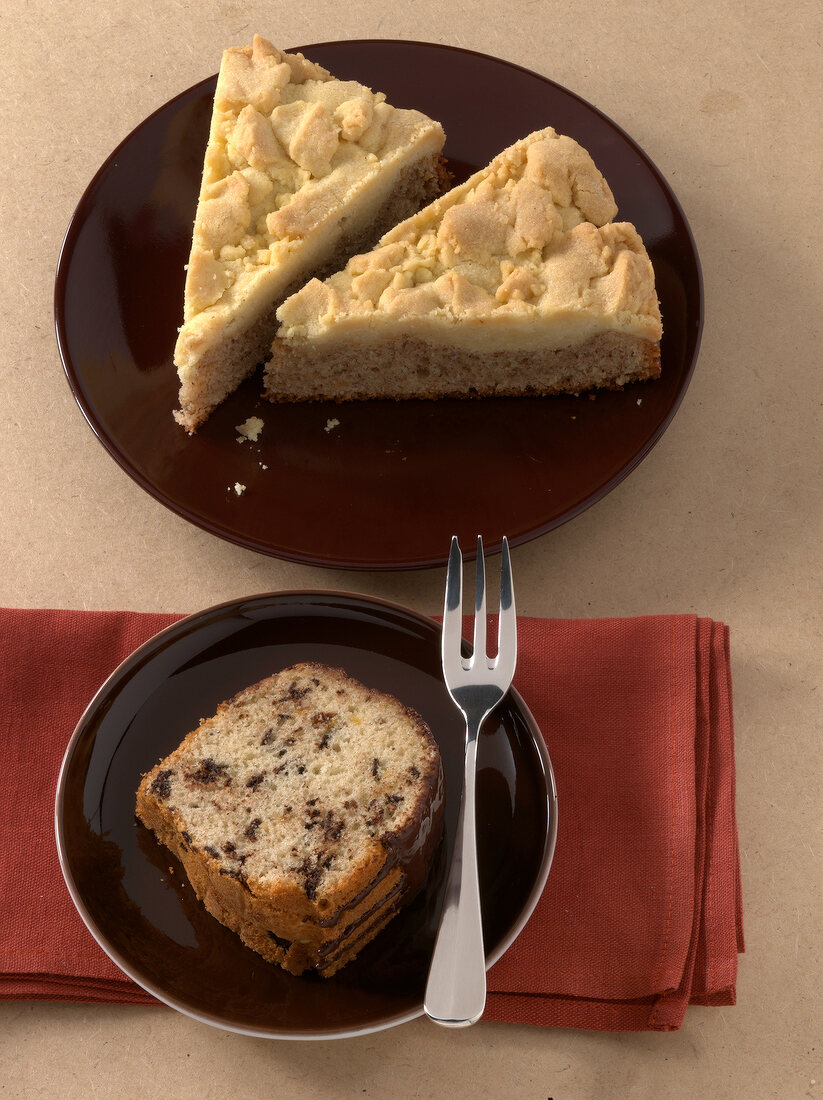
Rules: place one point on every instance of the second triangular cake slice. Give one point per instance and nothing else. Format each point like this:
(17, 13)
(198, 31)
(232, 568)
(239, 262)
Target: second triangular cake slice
(516, 282)
(301, 171)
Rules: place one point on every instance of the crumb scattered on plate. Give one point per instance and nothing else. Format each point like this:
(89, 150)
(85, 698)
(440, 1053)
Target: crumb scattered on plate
(239, 489)
(640, 401)
(331, 424)
(249, 429)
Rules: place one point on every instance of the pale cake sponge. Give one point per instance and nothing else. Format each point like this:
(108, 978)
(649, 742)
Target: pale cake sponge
(305, 812)
(301, 171)
(516, 282)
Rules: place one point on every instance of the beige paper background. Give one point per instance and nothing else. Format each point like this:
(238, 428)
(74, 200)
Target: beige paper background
(723, 518)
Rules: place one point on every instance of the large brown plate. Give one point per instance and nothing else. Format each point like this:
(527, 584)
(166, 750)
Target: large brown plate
(153, 927)
(387, 487)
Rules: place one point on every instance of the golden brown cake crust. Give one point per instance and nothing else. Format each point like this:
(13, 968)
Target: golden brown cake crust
(304, 812)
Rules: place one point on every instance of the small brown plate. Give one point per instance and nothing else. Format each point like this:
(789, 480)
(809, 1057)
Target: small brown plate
(148, 920)
(388, 486)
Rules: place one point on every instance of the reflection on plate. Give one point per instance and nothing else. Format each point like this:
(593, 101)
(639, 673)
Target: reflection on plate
(151, 924)
(387, 487)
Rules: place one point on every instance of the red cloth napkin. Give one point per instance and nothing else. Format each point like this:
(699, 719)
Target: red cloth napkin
(642, 913)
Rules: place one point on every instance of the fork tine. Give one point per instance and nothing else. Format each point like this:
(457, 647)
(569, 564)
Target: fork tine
(507, 631)
(452, 633)
(479, 643)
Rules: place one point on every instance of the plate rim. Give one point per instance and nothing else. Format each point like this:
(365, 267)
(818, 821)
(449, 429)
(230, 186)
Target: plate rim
(123, 672)
(219, 529)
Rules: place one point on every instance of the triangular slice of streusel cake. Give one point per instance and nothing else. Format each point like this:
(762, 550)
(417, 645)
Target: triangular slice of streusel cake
(301, 171)
(516, 282)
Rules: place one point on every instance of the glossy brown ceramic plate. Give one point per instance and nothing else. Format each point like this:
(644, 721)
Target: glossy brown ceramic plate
(389, 485)
(151, 925)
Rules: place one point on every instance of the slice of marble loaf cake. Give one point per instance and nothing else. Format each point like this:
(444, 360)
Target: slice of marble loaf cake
(305, 813)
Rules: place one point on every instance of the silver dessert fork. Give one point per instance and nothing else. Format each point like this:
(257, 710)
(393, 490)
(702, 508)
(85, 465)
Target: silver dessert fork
(456, 986)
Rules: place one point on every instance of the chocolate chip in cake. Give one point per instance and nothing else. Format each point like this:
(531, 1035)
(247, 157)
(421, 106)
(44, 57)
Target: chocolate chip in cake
(375, 767)
(284, 945)
(161, 784)
(312, 877)
(376, 813)
(208, 772)
(323, 717)
(252, 827)
(212, 852)
(293, 694)
(254, 782)
(268, 736)
(332, 827)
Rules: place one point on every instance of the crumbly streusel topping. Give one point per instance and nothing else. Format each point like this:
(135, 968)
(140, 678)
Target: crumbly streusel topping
(532, 234)
(288, 141)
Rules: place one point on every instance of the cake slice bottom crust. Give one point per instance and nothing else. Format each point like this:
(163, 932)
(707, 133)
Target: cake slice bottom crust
(411, 368)
(298, 945)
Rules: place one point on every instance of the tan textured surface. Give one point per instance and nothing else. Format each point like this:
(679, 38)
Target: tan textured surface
(524, 255)
(724, 517)
(406, 367)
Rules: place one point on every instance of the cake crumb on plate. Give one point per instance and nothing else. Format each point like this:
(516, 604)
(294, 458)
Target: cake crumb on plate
(249, 429)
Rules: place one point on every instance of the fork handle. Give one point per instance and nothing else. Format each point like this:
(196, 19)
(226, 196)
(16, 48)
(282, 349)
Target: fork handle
(456, 986)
